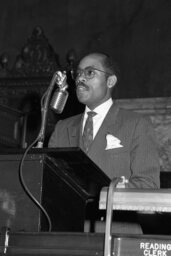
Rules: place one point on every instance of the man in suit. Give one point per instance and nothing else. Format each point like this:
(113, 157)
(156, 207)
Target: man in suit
(123, 141)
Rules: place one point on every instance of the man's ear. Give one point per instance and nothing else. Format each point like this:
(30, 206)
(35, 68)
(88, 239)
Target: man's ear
(111, 81)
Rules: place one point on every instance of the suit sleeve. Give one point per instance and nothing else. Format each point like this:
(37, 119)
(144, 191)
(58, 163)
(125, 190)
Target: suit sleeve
(145, 165)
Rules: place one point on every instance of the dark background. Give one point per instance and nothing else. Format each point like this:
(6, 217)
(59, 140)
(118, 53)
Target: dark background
(135, 32)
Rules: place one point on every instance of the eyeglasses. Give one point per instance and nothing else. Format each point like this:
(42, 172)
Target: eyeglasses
(89, 72)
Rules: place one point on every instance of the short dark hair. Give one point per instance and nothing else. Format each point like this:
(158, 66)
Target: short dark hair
(110, 66)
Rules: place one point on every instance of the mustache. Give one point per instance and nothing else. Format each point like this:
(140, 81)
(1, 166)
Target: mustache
(79, 83)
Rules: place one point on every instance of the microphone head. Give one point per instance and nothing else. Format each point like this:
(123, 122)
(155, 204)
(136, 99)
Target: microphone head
(59, 100)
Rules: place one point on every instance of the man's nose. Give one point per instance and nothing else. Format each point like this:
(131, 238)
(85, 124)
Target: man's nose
(81, 78)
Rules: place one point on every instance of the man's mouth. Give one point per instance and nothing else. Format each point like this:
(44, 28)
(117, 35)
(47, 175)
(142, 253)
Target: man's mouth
(81, 86)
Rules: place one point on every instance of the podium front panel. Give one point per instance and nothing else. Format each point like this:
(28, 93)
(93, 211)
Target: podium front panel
(17, 211)
(64, 181)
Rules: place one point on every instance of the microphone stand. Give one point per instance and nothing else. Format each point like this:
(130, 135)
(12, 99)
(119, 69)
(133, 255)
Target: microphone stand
(40, 140)
(44, 111)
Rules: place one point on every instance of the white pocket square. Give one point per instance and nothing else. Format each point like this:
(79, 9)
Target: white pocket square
(112, 142)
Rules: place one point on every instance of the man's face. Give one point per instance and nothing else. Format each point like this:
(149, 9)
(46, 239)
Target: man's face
(92, 91)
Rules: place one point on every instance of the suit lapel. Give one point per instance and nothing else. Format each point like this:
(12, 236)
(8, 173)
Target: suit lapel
(74, 131)
(110, 125)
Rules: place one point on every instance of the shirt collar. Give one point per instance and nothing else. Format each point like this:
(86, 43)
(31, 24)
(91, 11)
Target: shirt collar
(101, 109)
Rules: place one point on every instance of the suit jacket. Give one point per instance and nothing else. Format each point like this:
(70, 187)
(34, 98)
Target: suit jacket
(137, 160)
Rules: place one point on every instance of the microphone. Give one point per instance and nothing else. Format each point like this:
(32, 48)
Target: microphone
(60, 96)
(58, 101)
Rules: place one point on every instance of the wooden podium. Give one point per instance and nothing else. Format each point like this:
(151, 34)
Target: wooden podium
(65, 181)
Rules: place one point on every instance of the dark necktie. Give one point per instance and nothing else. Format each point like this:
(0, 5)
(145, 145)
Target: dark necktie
(88, 131)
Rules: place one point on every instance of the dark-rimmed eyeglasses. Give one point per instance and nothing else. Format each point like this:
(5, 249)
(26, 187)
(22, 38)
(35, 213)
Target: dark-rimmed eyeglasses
(89, 72)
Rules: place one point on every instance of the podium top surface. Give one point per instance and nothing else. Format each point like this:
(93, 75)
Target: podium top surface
(74, 152)
(71, 154)
(69, 164)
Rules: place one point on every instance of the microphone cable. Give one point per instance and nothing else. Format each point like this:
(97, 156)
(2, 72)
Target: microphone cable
(26, 189)
(40, 138)
(21, 177)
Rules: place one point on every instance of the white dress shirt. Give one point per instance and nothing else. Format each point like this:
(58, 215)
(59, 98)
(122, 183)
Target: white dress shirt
(101, 111)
